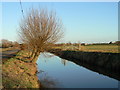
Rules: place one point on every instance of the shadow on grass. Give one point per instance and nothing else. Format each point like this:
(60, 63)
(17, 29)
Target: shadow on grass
(6, 58)
(14, 82)
(24, 59)
(16, 56)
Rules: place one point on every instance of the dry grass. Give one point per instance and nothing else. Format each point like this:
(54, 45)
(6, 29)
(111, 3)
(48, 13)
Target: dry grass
(102, 48)
(5, 49)
(92, 48)
(19, 74)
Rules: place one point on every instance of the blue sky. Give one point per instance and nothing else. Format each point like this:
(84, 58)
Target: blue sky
(83, 21)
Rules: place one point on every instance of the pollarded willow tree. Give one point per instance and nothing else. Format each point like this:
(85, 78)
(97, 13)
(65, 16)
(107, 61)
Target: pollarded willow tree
(39, 29)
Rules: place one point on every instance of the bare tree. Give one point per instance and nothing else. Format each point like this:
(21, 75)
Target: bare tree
(39, 30)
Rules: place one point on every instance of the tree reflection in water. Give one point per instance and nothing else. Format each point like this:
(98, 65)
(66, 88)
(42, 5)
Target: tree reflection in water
(48, 82)
(118, 85)
(67, 74)
(47, 55)
(64, 62)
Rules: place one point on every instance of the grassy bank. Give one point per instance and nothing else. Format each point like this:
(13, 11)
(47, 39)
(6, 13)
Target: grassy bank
(17, 73)
(108, 61)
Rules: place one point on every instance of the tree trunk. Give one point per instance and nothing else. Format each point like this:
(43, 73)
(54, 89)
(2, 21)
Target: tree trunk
(32, 55)
(35, 57)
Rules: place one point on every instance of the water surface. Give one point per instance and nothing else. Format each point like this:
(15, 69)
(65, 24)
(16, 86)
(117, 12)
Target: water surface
(60, 73)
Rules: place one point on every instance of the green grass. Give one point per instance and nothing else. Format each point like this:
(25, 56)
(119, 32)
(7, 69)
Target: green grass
(92, 48)
(101, 48)
(19, 74)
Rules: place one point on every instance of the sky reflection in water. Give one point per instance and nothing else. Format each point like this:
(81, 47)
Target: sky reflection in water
(61, 73)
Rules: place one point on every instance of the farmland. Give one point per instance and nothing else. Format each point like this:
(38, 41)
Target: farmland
(91, 48)
(101, 48)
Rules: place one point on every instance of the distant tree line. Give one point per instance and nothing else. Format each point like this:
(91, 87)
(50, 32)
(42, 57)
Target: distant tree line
(84, 44)
(6, 43)
(117, 42)
(110, 43)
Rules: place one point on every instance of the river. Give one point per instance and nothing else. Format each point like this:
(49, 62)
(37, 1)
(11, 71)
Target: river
(55, 72)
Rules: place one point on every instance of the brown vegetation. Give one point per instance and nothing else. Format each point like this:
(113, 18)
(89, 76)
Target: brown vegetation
(39, 30)
(6, 43)
(19, 74)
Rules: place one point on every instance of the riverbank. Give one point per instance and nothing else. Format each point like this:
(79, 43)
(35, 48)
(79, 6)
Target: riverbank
(17, 73)
(103, 61)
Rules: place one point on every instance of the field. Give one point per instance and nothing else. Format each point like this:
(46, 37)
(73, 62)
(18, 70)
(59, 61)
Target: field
(101, 48)
(91, 48)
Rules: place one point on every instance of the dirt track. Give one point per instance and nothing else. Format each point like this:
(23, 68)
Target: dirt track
(8, 54)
